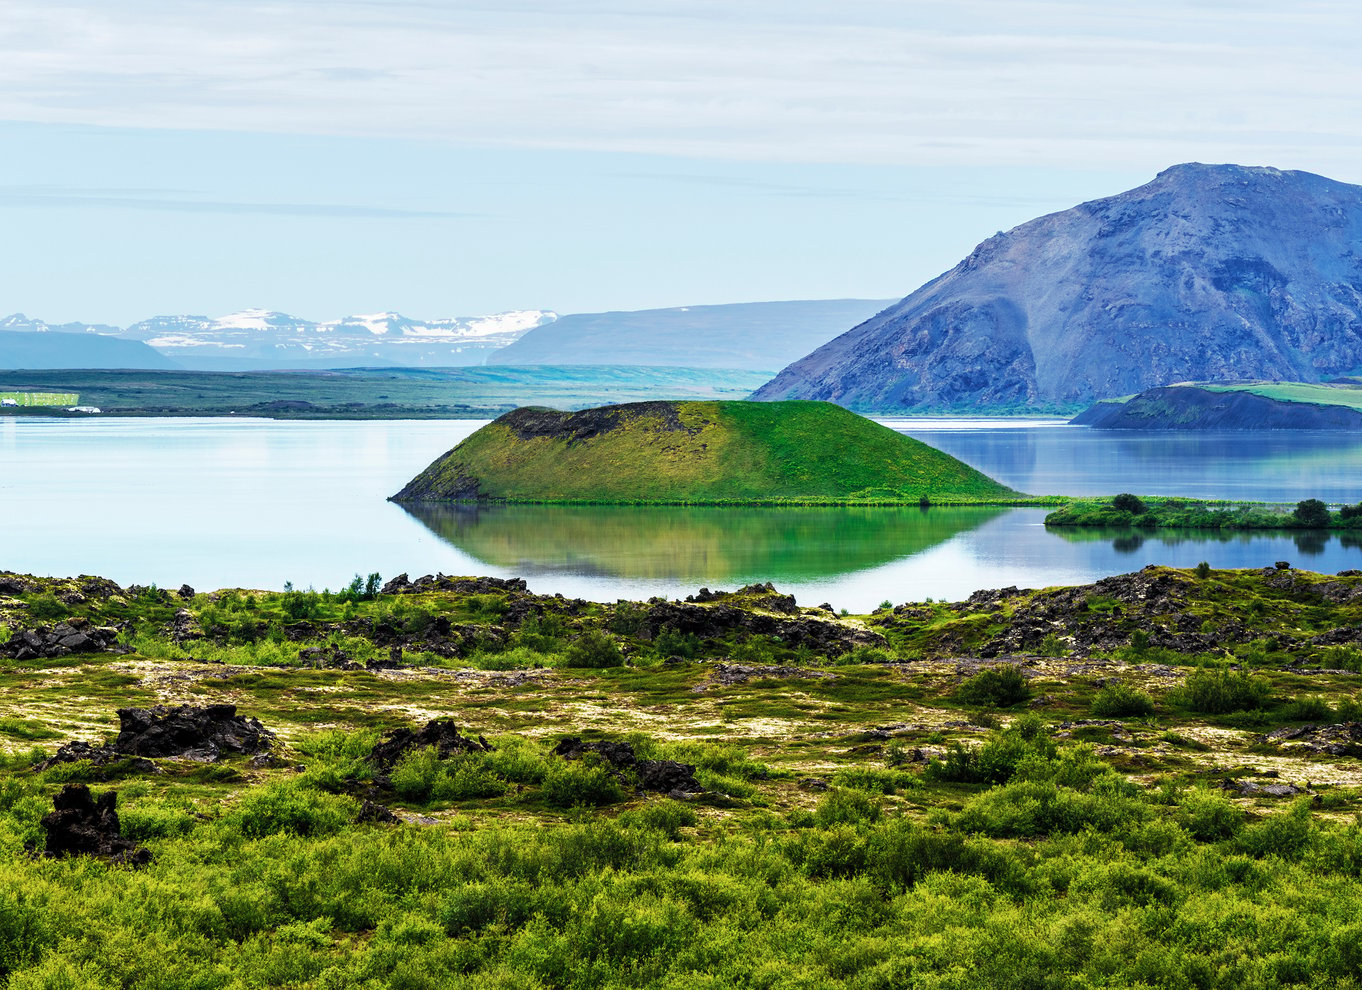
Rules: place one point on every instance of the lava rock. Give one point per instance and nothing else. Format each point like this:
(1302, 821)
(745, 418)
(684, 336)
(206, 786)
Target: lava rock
(670, 777)
(82, 825)
(440, 733)
(190, 732)
(373, 813)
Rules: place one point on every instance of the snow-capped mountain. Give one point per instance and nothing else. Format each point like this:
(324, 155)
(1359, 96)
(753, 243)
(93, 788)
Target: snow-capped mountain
(19, 323)
(256, 335)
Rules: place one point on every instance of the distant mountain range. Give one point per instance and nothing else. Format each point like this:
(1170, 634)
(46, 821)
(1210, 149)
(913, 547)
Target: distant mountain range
(754, 336)
(1208, 273)
(745, 336)
(59, 349)
(257, 339)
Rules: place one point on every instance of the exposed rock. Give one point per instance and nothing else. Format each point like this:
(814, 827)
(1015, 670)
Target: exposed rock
(75, 635)
(97, 756)
(184, 626)
(190, 732)
(1247, 788)
(763, 596)
(739, 673)
(1343, 739)
(663, 776)
(440, 733)
(82, 825)
(373, 813)
(401, 585)
(825, 636)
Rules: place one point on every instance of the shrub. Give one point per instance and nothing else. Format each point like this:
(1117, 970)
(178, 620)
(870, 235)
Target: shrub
(670, 643)
(1203, 570)
(289, 807)
(1126, 502)
(543, 634)
(1218, 692)
(568, 783)
(1121, 701)
(1311, 513)
(843, 806)
(46, 606)
(593, 649)
(1034, 808)
(1284, 834)
(665, 815)
(1000, 687)
(1209, 817)
(1312, 709)
(1350, 512)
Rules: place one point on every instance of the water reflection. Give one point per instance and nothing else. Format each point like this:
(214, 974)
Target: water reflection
(695, 544)
(1309, 543)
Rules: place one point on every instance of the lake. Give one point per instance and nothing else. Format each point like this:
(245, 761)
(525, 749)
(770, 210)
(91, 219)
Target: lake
(255, 503)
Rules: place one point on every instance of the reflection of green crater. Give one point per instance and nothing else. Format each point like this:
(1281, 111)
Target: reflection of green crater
(697, 544)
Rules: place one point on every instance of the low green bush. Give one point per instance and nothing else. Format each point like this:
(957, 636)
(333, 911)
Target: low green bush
(593, 649)
(1121, 701)
(1221, 691)
(1208, 816)
(1000, 687)
(1284, 834)
(288, 807)
(569, 783)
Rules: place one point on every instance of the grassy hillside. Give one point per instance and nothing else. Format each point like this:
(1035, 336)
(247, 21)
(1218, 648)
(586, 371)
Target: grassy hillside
(697, 452)
(1312, 394)
(377, 393)
(1155, 784)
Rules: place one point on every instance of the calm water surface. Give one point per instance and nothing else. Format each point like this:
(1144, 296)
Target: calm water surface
(255, 503)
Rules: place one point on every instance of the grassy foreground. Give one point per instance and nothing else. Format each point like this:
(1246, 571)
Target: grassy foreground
(698, 453)
(1106, 802)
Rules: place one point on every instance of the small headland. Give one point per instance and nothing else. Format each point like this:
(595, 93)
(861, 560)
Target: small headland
(1126, 510)
(1240, 406)
(699, 453)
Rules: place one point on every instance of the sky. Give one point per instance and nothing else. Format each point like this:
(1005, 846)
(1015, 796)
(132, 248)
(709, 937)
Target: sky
(329, 157)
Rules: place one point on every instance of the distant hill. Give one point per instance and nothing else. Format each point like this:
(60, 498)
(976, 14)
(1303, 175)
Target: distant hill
(755, 336)
(1207, 273)
(1248, 406)
(696, 452)
(47, 349)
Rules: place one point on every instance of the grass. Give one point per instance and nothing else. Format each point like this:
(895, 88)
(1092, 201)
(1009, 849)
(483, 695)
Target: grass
(42, 398)
(1192, 514)
(1312, 394)
(705, 453)
(376, 393)
(865, 825)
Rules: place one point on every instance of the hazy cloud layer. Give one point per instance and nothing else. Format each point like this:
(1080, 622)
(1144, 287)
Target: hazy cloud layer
(1017, 82)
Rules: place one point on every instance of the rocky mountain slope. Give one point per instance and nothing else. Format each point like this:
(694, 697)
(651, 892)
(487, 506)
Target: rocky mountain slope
(755, 336)
(1207, 273)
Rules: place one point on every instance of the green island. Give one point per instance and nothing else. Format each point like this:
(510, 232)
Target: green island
(1127, 510)
(1262, 405)
(1150, 781)
(699, 453)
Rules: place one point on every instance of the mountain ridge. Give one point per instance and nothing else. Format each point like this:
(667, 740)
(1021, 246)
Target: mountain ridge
(1207, 273)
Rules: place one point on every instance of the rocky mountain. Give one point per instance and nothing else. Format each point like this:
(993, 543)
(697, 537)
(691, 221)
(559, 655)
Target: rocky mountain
(753, 336)
(19, 323)
(52, 349)
(1207, 273)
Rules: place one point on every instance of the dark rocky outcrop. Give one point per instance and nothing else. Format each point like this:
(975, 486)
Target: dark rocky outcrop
(440, 733)
(189, 732)
(1187, 407)
(75, 635)
(373, 813)
(402, 585)
(826, 636)
(82, 825)
(1208, 273)
(1344, 739)
(669, 777)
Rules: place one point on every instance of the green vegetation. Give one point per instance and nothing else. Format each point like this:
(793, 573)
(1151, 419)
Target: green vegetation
(699, 452)
(377, 393)
(873, 815)
(1340, 394)
(1127, 510)
(25, 399)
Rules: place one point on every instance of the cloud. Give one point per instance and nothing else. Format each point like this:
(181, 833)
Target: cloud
(1021, 82)
(172, 201)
